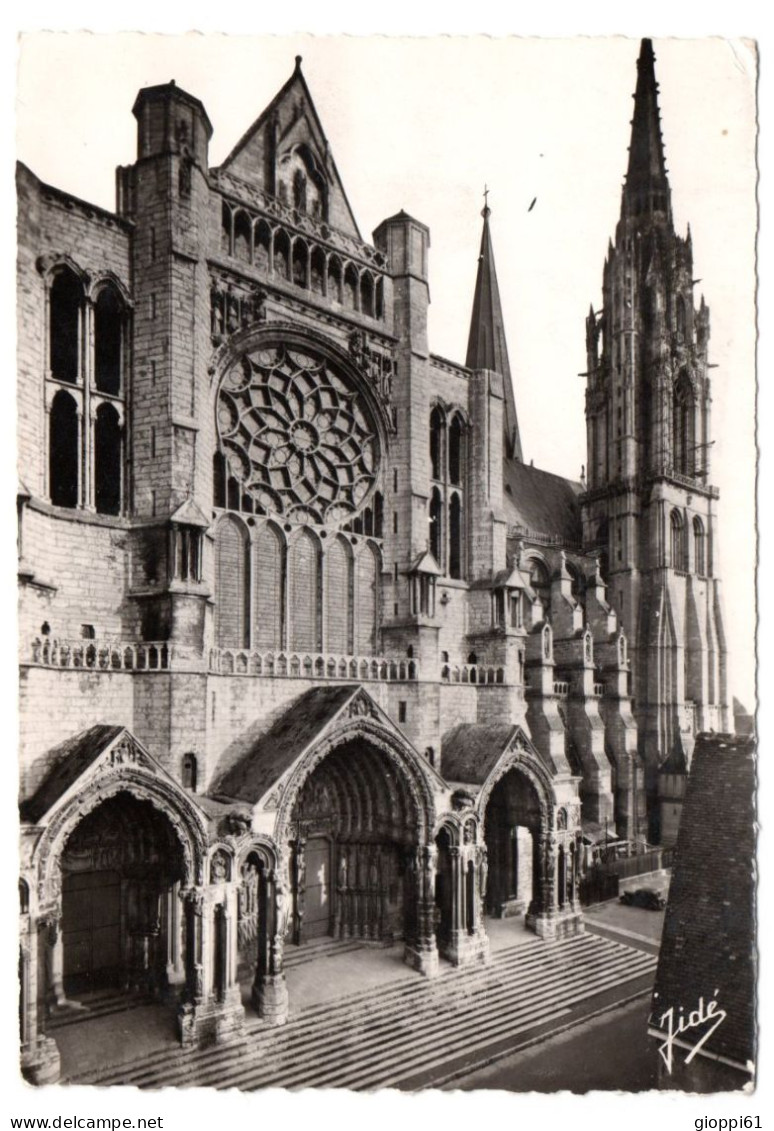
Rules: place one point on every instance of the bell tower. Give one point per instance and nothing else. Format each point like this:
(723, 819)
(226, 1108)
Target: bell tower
(650, 507)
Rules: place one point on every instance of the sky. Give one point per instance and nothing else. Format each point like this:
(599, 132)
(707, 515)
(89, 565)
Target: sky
(423, 125)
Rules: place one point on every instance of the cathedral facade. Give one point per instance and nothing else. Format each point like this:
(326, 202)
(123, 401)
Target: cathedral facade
(306, 648)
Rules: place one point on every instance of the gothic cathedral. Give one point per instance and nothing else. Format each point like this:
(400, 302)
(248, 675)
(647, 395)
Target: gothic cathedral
(306, 648)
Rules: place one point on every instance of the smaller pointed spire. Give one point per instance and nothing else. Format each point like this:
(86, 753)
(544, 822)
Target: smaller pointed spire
(486, 342)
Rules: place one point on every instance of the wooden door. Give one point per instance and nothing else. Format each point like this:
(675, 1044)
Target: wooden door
(318, 892)
(91, 930)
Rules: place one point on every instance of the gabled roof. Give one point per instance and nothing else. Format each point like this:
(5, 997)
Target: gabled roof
(541, 502)
(470, 751)
(253, 763)
(708, 943)
(293, 115)
(190, 513)
(69, 760)
(425, 563)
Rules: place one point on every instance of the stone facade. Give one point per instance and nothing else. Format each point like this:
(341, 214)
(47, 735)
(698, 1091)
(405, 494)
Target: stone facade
(334, 656)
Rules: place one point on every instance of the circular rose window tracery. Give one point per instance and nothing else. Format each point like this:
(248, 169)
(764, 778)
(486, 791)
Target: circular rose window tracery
(296, 436)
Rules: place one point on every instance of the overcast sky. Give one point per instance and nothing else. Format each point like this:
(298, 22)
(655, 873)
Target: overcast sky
(422, 125)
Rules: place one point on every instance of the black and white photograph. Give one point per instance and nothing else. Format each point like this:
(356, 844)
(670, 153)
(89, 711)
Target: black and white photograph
(386, 529)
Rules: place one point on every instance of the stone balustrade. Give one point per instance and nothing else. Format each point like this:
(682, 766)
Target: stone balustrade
(101, 655)
(472, 673)
(299, 665)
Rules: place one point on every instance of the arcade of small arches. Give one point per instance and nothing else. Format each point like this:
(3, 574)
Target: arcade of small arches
(87, 327)
(284, 589)
(279, 253)
(127, 891)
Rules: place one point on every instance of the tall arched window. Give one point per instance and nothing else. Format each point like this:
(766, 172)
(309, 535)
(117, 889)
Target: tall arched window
(540, 582)
(678, 541)
(437, 430)
(108, 460)
(304, 604)
(447, 468)
(242, 236)
(65, 308)
(232, 584)
(108, 341)
(367, 601)
(63, 460)
(269, 588)
(436, 527)
(680, 318)
(455, 536)
(684, 427)
(338, 596)
(456, 454)
(699, 551)
(262, 243)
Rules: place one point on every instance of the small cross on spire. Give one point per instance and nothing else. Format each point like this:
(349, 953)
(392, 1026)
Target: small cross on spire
(486, 211)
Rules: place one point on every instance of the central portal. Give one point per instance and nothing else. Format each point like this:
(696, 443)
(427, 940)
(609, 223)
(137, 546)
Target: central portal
(355, 830)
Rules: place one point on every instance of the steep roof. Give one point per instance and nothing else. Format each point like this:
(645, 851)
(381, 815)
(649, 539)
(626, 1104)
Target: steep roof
(487, 348)
(708, 944)
(68, 761)
(541, 502)
(259, 757)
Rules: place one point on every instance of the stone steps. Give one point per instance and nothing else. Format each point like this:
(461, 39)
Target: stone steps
(95, 1005)
(404, 1029)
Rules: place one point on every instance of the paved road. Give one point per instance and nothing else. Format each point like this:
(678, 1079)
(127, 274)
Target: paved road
(608, 1053)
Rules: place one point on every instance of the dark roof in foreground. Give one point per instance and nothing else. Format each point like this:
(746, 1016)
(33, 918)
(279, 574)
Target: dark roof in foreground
(69, 760)
(708, 943)
(541, 502)
(254, 762)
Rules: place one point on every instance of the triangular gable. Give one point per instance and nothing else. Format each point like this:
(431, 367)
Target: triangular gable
(290, 128)
(83, 758)
(425, 563)
(471, 752)
(260, 775)
(190, 513)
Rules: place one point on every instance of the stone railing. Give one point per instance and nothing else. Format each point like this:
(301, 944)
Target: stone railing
(561, 688)
(599, 689)
(472, 673)
(100, 655)
(305, 665)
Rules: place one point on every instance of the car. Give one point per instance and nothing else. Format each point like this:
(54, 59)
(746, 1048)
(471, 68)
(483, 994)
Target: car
(649, 898)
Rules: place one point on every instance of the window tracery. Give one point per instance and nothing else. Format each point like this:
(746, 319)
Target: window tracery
(296, 438)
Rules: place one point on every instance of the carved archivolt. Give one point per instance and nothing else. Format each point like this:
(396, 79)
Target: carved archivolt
(109, 780)
(402, 756)
(526, 762)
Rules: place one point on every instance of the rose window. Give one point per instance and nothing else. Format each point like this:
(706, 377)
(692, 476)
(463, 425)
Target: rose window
(296, 436)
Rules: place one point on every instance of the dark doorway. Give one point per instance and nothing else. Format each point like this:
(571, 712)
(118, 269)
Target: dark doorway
(511, 831)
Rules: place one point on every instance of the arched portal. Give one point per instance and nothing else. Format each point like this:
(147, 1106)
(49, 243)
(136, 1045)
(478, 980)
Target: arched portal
(355, 824)
(121, 870)
(512, 831)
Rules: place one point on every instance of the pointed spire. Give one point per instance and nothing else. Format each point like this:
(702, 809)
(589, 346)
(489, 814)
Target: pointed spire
(486, 343)
(647, 188)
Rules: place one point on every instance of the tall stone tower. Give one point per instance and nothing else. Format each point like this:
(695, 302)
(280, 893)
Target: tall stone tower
(650, 508)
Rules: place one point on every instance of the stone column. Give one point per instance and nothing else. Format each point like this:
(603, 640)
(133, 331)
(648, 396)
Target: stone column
(39, 1054)
(54, 984)
(421, 951)
(270, 991)
(175, 964)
